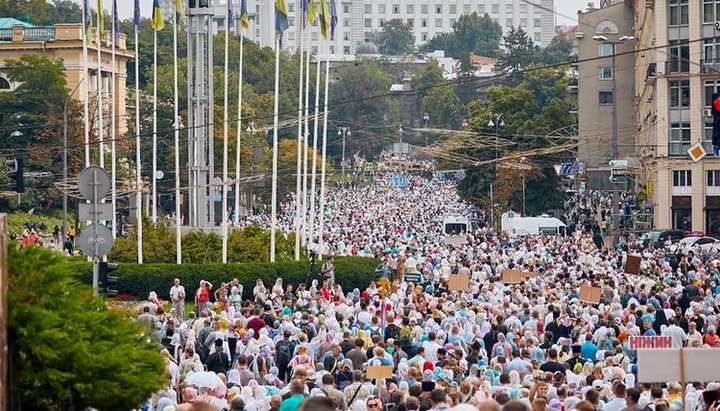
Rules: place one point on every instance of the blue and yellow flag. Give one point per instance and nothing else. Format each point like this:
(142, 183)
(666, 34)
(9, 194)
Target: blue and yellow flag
(101, 19)
(324, 19)
(157, 22)
(87, 21)
(244, 15)
(333, 18)
(179, 14)
(311, 12)
(281, 17)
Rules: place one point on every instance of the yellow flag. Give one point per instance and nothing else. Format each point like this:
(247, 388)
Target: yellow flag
(311, 11)
(157, 22)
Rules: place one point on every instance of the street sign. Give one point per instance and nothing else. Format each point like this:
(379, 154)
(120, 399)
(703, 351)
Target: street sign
(95, 240)
(94, 183)
(95, 212)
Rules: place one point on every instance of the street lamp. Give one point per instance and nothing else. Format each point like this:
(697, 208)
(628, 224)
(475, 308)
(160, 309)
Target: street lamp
(497, 120)
(464, 123)
(426, 120)
(344, 132)
(616, 191)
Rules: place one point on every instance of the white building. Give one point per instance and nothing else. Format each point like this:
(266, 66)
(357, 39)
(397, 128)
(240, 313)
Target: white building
(428, 18)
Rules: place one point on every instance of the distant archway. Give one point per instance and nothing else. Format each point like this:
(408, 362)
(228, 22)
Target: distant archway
(4, 84)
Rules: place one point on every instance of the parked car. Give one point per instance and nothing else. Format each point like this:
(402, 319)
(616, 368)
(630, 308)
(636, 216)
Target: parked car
(707, 244)
(649, 238)
(673, 235)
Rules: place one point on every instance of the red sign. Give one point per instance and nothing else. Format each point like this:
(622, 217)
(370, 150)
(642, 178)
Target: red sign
(639, 342)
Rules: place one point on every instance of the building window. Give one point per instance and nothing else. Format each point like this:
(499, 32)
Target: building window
(679, 138)
(411, 22)
(438, 22)
(711, 11)
(453, 9)
(605, 98)
(368, 22)
(481, 9)
(523, 23)
(495, 8)
(346, 8)
(679, 12)
(396, 9)
(679, 93)
(438, 9)
(537, 23)
(707, 142)
(711, 87)
(291, 21)
(346, 22)
(679, 51)
(381, 22)
(605, 49)
(410, 9)
(381, 8)
(508, 22)
(605, 73)
(682, 178)
(346, 50)
(368, 9)
(466, 8)
(523, 8)
(538, 37)
(424, 8)
(346, 36)
(291, 36)
(423, 23)
(712, 50)
(332, 49)
(713, 178)
(452, 22)
(4, 84)
(314, 36)
(509, 7)
(424, 37)
(314, 48)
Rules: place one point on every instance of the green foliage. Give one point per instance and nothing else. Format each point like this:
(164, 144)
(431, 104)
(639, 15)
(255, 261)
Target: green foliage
(423, 81)
(443, 106)
(557, 52)
(471, 33)
(42, 12)
(396, 38)
(518, 55)
(18, 219)
(67, 350)
(141, 279)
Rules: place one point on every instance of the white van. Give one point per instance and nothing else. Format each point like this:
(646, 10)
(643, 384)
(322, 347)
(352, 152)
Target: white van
(515, 225)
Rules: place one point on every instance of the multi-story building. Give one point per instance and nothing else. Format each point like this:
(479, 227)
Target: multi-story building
(428, 18)
(599, 37)
(65, 42)
(678, 70)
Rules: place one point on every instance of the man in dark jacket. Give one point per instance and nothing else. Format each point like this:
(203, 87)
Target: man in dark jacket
(218, 361)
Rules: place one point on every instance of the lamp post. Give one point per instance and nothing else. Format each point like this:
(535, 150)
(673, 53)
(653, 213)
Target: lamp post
(616, 191)
(496, 121)
(344, 132)
(426, 121)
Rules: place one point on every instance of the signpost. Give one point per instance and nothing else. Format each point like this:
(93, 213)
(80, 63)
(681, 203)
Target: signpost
(95, 240)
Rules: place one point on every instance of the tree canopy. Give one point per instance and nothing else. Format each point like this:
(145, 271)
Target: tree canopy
(395, 39)
(520, 52)
(471, 33)
(67, 350)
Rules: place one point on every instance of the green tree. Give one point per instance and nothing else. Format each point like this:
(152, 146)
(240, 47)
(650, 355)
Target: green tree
(442, 41)
(443, 106)
(395, 39)
(519, 54)
(423, 81)
(557, 52)
(67, 349)
(471, 33)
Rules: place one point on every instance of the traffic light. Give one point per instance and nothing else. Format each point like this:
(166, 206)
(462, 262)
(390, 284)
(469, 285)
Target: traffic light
(16, 172)
(105, 280)
(716, 123)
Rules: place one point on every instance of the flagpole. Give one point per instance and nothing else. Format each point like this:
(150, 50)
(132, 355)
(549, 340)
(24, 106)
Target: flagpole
(86, 85)
(314, 152)
(273, 208)
(113, 132)
(321, 242)
(225, 145)
(298, 180)
(101, 140)
(138, 169)
(238, 139)
(176, 126)
(154, 139)
(306, 137)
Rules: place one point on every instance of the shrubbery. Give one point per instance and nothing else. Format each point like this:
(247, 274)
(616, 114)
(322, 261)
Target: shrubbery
(141, 279)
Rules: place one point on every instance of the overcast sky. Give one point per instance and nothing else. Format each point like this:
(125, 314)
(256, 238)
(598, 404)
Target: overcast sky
(566, 9)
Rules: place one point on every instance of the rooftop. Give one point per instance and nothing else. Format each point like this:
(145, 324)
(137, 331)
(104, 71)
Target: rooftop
(9, 22)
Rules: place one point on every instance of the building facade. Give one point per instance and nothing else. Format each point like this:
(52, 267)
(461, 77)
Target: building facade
(65, 42)
(678, 70)
(428, 18)
(598, 34)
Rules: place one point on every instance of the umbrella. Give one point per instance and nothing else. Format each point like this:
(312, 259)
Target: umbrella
(206, 379)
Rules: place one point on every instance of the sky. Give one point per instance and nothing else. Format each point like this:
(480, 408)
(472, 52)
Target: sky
(566, 9)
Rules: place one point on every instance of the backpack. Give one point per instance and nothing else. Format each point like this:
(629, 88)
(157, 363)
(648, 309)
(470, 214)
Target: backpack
(405, 334)
(284, 350)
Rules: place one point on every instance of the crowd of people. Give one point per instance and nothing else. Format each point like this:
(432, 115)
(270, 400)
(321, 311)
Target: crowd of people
(532, 345)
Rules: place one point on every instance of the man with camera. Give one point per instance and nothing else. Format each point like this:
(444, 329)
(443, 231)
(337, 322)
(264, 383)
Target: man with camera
(328, 272)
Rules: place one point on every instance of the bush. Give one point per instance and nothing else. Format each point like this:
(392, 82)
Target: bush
(141, 279)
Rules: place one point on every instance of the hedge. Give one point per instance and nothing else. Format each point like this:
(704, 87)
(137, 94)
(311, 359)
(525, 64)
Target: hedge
(140, 279)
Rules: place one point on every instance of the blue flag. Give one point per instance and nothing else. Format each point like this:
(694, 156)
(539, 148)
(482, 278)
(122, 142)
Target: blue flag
(333, 18)
(116, 22)
(230, 19)
(136, 15)
(88, 21)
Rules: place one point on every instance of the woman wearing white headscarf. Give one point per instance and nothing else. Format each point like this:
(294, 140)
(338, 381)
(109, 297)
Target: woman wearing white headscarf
(259, 402)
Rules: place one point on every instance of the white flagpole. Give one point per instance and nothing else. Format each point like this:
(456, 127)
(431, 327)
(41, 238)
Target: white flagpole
(176, 126)
(86, 88)
(273, 207)
(101, 139)
(238, 139)
(313, 177)
(298, 180)
(306, 137)
(225, 149)
(113, 132)
(138, 174)
(321, 243)
(154, 139)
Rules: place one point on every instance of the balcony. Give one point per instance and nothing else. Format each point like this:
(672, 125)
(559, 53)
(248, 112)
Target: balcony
(677, 66)
(573, 109)
(710, 66)
(6, 34)
(651, 72)
(573, 83)
(679, 149)
(574, 61)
